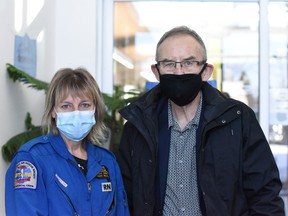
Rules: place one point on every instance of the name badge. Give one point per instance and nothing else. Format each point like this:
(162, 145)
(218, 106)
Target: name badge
(106, 186)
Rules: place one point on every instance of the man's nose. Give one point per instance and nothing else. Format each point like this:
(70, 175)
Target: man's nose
(178, 68)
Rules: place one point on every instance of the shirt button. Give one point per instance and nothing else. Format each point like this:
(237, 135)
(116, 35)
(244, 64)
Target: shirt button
(180, 161)
(181, 185)
(182, 209)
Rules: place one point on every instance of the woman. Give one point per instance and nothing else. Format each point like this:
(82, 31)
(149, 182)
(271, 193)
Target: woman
(64, 172)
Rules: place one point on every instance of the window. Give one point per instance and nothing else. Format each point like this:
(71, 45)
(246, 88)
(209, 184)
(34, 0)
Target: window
(278, 84)
(236, 44)
(247, 42)
(232, 44)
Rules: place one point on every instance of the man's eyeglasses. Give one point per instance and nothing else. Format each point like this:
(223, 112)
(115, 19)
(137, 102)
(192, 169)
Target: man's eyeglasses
(170, 66)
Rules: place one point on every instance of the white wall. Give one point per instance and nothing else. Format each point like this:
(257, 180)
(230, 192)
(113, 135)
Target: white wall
(69, 31)
(75, 34)
(6, 89)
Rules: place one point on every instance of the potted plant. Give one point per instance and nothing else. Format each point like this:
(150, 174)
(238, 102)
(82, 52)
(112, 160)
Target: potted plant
(112, 119)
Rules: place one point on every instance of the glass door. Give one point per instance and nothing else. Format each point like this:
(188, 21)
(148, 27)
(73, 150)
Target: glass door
(232, 43)
(232, 33)
(278, 85)
(247, 42)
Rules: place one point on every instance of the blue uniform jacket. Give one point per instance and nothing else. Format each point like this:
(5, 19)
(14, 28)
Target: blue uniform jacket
(44, 179)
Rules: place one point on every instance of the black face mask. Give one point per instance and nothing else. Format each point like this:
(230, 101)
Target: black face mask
(181, 89)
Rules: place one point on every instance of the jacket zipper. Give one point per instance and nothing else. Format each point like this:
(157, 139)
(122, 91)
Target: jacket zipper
(111, 206)
(69, 200)
(89, 187)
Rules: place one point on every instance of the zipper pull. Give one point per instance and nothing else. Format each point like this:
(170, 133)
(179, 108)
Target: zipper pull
(89, 186)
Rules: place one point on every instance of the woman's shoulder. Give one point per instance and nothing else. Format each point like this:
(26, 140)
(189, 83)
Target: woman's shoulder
(36, 144)
(102, 152)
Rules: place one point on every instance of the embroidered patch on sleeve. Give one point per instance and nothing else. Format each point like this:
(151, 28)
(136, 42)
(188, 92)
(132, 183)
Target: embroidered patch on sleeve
(25, 175)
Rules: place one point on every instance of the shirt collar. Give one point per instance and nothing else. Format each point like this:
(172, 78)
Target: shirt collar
(194, 121)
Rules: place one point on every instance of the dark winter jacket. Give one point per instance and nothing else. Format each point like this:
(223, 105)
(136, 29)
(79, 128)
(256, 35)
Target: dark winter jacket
(237, 174)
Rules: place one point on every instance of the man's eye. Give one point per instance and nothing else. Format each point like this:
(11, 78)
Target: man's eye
(188, 63)
(169, 64)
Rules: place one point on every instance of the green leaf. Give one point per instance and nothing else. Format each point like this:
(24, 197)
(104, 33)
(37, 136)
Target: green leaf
(12, 145)
(18, 75)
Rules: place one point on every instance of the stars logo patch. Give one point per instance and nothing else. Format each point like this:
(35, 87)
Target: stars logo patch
(25, 175)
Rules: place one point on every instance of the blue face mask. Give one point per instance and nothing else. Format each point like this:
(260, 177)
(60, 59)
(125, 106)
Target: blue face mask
(75, 125)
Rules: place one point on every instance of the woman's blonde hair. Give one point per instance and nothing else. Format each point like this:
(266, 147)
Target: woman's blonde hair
(76, 82)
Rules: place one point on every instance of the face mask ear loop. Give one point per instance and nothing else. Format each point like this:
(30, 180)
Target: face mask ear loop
(203, 68)
(156, 65)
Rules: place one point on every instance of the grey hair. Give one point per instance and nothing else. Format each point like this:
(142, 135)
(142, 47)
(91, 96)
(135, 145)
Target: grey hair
(182, 30)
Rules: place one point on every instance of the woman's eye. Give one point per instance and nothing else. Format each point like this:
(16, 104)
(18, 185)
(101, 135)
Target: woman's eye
(65, 106)
(85, 105)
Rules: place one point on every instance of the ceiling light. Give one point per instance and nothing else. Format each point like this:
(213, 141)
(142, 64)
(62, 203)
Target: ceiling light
(122, 59)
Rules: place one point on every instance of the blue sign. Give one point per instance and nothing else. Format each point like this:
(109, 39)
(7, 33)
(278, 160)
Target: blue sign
(25, 54)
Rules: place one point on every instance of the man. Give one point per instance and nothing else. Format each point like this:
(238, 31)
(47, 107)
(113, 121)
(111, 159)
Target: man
(186, 149)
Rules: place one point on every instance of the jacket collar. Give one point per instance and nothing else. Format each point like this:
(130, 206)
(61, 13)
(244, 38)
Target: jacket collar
(216, 104)
(94, 157)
